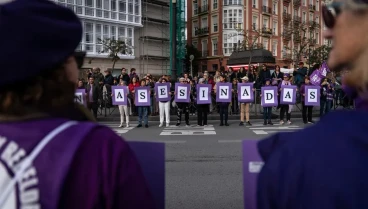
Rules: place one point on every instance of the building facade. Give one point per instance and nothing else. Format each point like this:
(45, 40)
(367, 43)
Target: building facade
(138, 23)
(216, 28)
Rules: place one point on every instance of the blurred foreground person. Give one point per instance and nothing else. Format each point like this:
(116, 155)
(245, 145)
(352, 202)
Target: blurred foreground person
(325, 165)
(50, 160)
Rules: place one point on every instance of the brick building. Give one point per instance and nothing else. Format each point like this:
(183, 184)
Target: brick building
(214, 26)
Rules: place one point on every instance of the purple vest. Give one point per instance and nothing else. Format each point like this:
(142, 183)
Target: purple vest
(42, 182)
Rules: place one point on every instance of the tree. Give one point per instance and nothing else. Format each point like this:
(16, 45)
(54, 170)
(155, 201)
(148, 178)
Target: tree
(191, 50)
(320, 54)
(114, 48)
(250, 39)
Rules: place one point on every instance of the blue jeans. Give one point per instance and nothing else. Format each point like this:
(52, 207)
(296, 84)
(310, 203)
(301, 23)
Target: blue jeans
(325, 107)
(143, 112)
(267, 112)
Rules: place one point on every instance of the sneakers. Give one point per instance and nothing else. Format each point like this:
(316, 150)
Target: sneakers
(270, 123)
(281, 122)
(187, 125)
(167, 124)
(139, 125)
(226, 124)
(241, 123)
(121, 125)
(311, 122)
(178, 124)
(127, 125)
(146, 125)
(248, 123)
(265, 123)
(289, 122)
(160, 125)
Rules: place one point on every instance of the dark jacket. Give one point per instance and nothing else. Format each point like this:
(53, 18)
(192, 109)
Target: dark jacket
(263, 75)
(96, 92)
(125, 78)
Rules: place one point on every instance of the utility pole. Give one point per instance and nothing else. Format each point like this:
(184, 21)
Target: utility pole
(191, 58)
(173, 42)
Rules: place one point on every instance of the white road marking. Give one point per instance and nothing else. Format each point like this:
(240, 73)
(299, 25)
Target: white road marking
(191, 130)
(119, 130)
(273, 128)
(229, 141)
(261, 129)
(260, 132)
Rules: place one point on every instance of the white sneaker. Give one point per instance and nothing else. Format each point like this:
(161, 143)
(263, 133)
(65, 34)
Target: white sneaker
(281, 122)
(289, 122)
(167, 124)
(127, 125)
(121, 125)
(160, 125)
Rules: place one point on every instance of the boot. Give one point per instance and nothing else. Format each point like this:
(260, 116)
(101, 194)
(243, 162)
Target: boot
(265, 122)
(269, 122)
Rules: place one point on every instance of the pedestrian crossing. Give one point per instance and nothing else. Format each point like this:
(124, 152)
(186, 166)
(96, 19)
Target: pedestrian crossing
(188, 130)
(261, 129)
(115, 127)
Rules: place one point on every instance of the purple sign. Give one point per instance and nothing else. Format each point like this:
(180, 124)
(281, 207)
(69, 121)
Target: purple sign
(312, 95)
(324, 69)
(182, 92)
(288, 94)
(245, 92)
(252, 165)
(119, 95)
(223, 92)
(316, 78)
(269, 96)
(162, 92)
(80, 96)
(142, 96)
(204, 93)
(151, 157)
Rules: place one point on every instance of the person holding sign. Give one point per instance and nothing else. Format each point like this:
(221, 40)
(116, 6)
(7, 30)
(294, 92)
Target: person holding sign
(143, 110)
(267, 111)
(306, 109)
(182, 107)
(284, 108)
(164, 106)
(244, 107)
(123, 109)
(224, 106)
(203, 109)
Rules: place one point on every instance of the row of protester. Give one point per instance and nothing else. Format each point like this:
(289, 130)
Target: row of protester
(272, 96)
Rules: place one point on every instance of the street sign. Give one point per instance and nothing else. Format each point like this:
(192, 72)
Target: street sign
(191, 57)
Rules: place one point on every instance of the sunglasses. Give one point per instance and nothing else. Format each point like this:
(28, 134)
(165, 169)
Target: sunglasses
(331, 11)
(79, 58)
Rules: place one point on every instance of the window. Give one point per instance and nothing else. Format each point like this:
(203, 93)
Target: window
(195, 44)
(214, 24)
(265, 23)
(274, 48)
(317, 5)
(204, 22)
(265, 43)
(274, 8)
(255, 23)
(230, 42)
(304, 17)
(311, 16)
(255, 3)
(214, 5)
(285, 10)
(317, 20)
(265, 3)
(195, 28)
(296, 12)
(233, 2)
(195, 8)
(274, 28)
(204, 48)
(233, 19)
(214, 47)
(311, 2)
(317, 38)
(304, 2)
(95, 31)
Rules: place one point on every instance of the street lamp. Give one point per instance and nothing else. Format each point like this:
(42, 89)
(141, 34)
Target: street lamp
(191, 58)
(173, 42)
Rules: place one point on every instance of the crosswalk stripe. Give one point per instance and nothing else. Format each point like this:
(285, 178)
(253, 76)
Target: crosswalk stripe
(188, 132)
(229, 141)
(272, 128)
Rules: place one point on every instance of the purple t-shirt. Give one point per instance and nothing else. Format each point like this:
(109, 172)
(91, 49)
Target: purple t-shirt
(85, 167)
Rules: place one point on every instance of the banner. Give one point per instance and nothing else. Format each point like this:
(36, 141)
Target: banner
(119, 95)
(204, 93)
(269, 96)
(252, 165)
(324, 69)
(316, 78)
(288, 94)
(151, 157)
(312, 95)
(223, 92)
(182, 92)
(142, 96)
(162, 92)
(80, 97)
(245, 92)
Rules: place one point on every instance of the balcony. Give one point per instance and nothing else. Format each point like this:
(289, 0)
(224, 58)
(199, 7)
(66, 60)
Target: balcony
(201, 31)
(204, 53)
(286, 17)
(266, 31)
(203, 9)
(286, 2)
(233, 4)
(312, 7)
(287, 56)
(266, 10)
(215, 52)
(297, 3)
(313, 24)
(297, 39)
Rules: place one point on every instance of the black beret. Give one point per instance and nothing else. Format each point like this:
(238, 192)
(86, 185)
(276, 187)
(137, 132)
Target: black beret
(35, 35)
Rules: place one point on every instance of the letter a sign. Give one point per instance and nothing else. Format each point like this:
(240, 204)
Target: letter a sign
(312, 95)
(288, 94)
(223, 92)
(269, 96)
(119, 95)
(245, 92)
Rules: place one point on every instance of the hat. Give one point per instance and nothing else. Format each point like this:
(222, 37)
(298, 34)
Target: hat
(287, 75)
(245, 78)
(44, 32)
(267, 79)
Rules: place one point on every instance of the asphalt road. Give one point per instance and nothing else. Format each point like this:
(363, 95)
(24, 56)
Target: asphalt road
(203, 164)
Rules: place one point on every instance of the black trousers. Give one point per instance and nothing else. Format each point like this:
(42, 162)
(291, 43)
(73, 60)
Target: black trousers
(94, 107)
(224, 112)
(202, 110)
(306, 112)
(183, 107)
(284, 109)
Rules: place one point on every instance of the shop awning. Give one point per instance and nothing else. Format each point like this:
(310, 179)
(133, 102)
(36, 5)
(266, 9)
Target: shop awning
(258, 56)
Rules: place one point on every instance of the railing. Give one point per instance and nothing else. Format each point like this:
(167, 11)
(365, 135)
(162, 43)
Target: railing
(312, 7)
(201, 31)
(234, 4)
(203, 9)
(215, 52)
(313, 24)
(297, 3)
(204, 53)
(266, 10)
(287, 1)
(266, 31)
